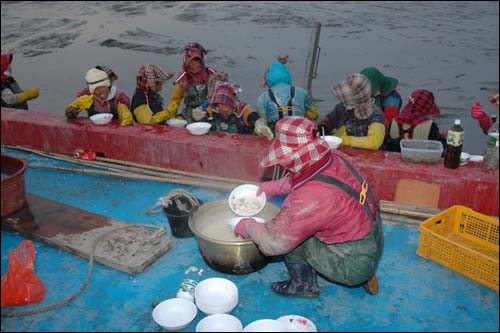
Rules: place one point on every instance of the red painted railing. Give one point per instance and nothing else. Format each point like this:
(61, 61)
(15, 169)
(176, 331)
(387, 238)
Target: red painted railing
(235, 156)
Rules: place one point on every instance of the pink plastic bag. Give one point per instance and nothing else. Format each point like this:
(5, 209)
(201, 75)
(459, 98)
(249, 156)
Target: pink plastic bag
(20, 285)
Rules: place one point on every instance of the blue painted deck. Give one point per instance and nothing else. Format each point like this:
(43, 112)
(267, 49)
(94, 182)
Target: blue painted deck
(415, 294)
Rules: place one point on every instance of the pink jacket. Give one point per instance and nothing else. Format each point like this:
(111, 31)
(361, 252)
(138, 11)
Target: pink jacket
(315, 209)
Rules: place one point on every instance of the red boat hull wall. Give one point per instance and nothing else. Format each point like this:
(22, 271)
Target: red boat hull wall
(235, 156)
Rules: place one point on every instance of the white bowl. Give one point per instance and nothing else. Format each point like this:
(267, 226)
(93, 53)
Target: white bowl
(296, 323)
(199, 128)
(216, 295)
(175, 313)
(265, 325)
(243, 200)
(219, 322)
(101, 118)
(333, 141)
(464, 158)
(234, 221)
(177, 122)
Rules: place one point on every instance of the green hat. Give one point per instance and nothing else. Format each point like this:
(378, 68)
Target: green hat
(379, 81)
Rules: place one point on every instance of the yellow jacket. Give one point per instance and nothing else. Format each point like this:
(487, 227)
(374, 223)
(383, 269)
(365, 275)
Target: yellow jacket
(373, 140)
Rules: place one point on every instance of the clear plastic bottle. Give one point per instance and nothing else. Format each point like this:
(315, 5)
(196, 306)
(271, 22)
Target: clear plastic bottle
(454, 143)
(491, 153)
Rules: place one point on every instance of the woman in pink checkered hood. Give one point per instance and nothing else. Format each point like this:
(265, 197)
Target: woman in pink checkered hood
(329, 222)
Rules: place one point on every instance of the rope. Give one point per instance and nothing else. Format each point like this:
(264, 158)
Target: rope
(167, 200)
(149, 241)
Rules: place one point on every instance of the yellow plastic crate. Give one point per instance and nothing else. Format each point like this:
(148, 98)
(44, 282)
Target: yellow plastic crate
(464, 241)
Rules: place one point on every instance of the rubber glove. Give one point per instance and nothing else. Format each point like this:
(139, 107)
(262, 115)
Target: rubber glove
(241, 228)
(28, 94)
(125, 115)
(161, 117)
(275, 187)
(198, 114)
(477, 112)
(261, 129)
(81, 103)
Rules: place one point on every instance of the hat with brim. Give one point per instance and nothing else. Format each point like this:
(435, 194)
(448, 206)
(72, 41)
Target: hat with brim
(97, 78)
(355, 91)
(420, 107)
(380, 82)
(296, 145)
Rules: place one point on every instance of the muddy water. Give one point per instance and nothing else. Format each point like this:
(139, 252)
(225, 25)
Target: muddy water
(450, 48)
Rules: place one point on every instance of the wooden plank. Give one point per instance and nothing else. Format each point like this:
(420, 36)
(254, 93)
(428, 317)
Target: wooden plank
(128, 248)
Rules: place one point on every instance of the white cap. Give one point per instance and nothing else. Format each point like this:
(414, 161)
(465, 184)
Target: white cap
(457, 121)
(97, 78)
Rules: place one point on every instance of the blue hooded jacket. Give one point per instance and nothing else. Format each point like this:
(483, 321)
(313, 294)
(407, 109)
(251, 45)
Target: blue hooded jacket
(279, 80)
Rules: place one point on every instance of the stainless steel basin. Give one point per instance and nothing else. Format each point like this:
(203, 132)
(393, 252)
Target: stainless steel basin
(232, 257)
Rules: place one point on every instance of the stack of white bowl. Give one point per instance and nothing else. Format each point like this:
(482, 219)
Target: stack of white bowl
(216, 295)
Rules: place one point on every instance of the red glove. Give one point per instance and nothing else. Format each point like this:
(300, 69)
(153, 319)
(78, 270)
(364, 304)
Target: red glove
(477, 112)
(241, 228)
(275, 187)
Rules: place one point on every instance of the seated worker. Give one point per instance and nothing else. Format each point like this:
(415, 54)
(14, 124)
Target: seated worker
(12, 95)
(192, 84)
(282, 99)
(147, 103)
(384, 92)
(355, 119)
(232, 115)
(485, 120)
(329, 222)
(101, 96)
(415, 121)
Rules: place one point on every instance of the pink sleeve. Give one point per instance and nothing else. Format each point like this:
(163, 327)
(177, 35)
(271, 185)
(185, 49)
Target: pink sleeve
(300, 218)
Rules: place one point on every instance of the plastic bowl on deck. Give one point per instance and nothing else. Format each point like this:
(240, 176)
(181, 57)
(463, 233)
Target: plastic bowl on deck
(216, 295)
(101, 118)
(296, 323)
(175, 313)
(220, 322)
(266, 325)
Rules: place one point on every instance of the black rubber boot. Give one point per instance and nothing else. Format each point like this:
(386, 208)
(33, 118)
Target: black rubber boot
(303, 282)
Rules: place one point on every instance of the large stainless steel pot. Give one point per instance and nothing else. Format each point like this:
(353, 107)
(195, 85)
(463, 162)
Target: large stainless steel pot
(232, 257)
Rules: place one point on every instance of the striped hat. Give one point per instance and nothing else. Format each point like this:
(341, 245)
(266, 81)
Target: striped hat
(296, 145)
(355, 91)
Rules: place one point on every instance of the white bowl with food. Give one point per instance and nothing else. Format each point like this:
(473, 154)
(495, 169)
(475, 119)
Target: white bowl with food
(177, 122)
(175, 313)
(199, 128)
(333, 141)
(243, 200)
(101, 118)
